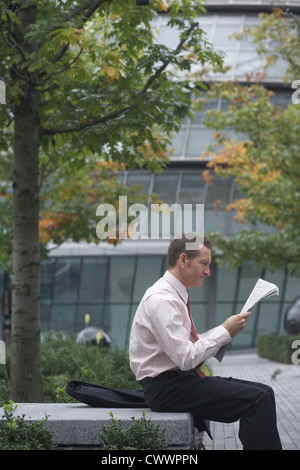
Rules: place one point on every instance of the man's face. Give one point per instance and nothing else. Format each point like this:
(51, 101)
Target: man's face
(198, 268)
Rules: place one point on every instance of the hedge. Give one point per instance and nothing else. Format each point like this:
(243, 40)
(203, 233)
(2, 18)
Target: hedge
(276, 348)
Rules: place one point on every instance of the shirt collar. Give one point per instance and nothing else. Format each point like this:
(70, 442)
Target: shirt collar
(178, 286)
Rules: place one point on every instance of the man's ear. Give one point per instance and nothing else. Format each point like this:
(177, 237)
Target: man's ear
(182, 259)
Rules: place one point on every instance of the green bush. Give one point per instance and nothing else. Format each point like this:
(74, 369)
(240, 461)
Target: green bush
(63, 360)
(276, 348)
(17, 434)
(141, 435)
(63, 357)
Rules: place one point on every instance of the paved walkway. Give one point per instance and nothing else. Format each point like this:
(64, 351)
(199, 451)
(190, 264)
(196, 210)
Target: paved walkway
(249, 366)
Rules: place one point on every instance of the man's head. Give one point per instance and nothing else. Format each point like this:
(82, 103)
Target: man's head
(189, 266)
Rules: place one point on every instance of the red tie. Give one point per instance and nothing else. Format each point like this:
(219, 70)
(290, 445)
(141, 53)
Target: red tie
(194, 333)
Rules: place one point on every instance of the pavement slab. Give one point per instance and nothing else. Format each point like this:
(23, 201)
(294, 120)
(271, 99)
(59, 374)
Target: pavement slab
(285, 381)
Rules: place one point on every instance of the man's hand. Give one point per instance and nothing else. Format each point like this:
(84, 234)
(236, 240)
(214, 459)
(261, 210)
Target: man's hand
(236, 323)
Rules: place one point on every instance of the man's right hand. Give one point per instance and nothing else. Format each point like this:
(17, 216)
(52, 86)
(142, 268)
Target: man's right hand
(236, 323)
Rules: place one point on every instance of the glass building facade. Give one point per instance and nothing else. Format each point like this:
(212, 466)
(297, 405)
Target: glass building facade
(109, 288)
(108, 281)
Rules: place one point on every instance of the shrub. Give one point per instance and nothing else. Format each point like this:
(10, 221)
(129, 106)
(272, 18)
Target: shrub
(63, 360)
(276, 348)
(17, 434)
(141, 435)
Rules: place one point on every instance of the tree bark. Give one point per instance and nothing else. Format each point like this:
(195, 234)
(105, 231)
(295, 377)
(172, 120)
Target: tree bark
(26, 377)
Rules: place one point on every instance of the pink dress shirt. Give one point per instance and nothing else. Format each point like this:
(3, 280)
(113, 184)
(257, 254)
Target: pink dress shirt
(161, 337)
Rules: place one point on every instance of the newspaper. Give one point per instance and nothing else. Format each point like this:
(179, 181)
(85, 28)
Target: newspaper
(261, 290)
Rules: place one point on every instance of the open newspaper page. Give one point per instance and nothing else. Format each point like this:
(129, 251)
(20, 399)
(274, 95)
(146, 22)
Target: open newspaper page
(261, 290)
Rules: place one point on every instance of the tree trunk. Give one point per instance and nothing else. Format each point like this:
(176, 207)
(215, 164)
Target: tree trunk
(26, 377)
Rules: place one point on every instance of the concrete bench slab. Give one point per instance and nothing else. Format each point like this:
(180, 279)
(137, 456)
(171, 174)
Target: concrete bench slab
(79, 425)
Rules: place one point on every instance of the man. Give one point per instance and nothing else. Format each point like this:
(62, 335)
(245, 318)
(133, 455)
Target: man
(165, 354)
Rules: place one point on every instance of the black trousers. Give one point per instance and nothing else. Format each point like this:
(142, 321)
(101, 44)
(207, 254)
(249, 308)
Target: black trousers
(218, 399)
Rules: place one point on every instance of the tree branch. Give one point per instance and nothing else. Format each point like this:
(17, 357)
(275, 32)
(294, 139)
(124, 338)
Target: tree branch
(67, 66)
(108, 117)
(167, 62)
(83, 125)
(89, 8)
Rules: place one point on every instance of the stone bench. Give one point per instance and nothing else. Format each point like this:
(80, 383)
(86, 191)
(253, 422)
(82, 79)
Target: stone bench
(76, 425)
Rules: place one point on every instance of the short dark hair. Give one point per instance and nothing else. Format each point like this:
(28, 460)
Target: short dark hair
(179, 245)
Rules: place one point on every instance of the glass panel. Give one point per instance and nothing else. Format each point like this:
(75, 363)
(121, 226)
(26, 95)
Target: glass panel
(197, 294)
(63, 318)
(229, 61)
(200, 316)
(226, 284)
(244, 339)
(225, 27)
(206, 23)
(285, 308)
(206, 106)
(224, 310)
(218, 190)
(249, 276)
(167, 36)
(277, 70)
(198, 140)
(282, 99)
(192, 189)
(292, 288)
(121, 278)
(268, 318)
(66, 280)
(45, 314)
(94, 272)
(120, 176)
(214, 220)
(246, 40)
(141, 179)
(148, 271)
(165, 186)
(119, 315)
(177, 143)
(96, 317)
(248, 63)
(47, 271)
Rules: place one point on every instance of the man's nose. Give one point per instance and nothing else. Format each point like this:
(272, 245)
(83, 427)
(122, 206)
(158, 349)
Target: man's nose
(207, 271)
